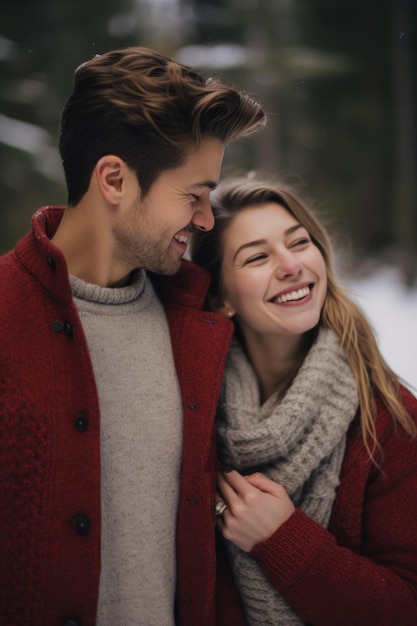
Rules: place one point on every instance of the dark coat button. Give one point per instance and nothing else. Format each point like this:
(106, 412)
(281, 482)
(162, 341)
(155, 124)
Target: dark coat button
(57, 326)
(51, 262)
(192, 500)
(81, 524)
(69, 330)
(193, 406)
(81, 423)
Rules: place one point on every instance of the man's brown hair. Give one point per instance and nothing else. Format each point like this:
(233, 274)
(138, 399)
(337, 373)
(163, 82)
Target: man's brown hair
(149, 110)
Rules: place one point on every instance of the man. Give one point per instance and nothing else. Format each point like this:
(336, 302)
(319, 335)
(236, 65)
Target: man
(109, 369)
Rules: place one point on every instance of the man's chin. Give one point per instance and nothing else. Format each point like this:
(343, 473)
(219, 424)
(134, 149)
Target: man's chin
(174, 270)
(168, 269)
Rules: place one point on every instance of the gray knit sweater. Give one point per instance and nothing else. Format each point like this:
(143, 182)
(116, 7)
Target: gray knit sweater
(141, 445)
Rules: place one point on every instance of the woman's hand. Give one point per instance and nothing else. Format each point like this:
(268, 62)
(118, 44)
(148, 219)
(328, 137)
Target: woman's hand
(257, 506)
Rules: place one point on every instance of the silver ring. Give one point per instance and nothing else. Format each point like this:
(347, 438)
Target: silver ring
(220, 508)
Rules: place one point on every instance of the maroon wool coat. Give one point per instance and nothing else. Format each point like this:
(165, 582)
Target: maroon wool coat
(363, 570)
(50, 440)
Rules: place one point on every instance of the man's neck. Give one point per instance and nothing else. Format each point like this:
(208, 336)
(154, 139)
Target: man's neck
(85, 239)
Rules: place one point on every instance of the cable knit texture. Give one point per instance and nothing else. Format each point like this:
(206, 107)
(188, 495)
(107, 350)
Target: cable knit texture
(298, 442)
(362, 570)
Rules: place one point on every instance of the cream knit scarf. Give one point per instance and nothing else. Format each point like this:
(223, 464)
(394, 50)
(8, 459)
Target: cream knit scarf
(298, 442)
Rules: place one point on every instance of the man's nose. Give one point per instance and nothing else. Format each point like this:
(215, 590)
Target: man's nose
(203, 218)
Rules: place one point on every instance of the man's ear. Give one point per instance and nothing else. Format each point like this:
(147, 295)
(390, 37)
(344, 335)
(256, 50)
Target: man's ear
(110, 172)
(219, 306)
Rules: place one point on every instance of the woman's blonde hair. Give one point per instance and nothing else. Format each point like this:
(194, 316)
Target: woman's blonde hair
(373, 376)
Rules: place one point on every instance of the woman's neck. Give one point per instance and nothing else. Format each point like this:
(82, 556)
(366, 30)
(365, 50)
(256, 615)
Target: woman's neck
(275, 360)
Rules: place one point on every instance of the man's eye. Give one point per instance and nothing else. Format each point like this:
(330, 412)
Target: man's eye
(194, 197)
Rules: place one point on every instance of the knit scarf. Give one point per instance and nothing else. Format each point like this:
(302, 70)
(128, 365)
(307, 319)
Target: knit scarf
(298, 441)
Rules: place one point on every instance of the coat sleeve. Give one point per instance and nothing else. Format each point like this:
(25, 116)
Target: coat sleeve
(372, 582)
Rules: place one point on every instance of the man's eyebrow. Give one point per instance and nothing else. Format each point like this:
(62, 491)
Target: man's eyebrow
(261, 242)
(209, 184)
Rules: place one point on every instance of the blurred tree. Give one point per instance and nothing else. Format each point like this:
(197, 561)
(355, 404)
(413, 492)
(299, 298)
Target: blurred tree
(41, 43)
(403, 74)
(245, 41)
(367, 160)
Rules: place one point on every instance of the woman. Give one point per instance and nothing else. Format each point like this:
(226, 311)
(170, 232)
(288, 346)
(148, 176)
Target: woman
(317, 501)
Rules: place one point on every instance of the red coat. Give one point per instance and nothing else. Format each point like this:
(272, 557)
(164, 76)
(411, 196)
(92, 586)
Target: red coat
(50, 442)
(363, 570)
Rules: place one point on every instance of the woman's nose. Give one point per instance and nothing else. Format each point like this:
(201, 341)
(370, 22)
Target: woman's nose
(288, 265)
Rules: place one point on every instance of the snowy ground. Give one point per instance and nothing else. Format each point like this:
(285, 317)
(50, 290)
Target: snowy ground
(392, 310)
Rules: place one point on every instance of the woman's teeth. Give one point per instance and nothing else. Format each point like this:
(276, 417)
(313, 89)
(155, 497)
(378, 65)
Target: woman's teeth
(293, 295)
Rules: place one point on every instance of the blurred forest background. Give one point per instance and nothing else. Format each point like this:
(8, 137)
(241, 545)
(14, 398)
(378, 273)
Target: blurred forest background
(338, 79)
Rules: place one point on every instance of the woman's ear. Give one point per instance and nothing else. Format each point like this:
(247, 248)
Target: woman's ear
(218, 306)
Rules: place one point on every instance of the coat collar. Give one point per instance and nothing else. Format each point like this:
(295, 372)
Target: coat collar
(187, 288)
(40, 257)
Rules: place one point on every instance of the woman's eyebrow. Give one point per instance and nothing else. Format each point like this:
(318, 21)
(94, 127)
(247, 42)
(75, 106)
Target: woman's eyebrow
(260, 242)
(250, 244)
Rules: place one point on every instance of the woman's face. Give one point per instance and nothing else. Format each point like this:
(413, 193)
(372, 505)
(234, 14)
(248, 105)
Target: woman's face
(273, 276)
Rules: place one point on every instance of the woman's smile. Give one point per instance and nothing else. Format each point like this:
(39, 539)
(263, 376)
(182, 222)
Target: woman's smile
(273, 275)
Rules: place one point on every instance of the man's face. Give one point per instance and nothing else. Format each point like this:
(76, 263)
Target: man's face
(154, 232)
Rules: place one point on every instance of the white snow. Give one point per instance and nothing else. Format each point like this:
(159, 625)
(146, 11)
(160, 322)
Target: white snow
(391, 309)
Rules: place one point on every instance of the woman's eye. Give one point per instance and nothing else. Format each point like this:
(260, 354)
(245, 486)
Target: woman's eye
(303, 241)
(257, 257)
